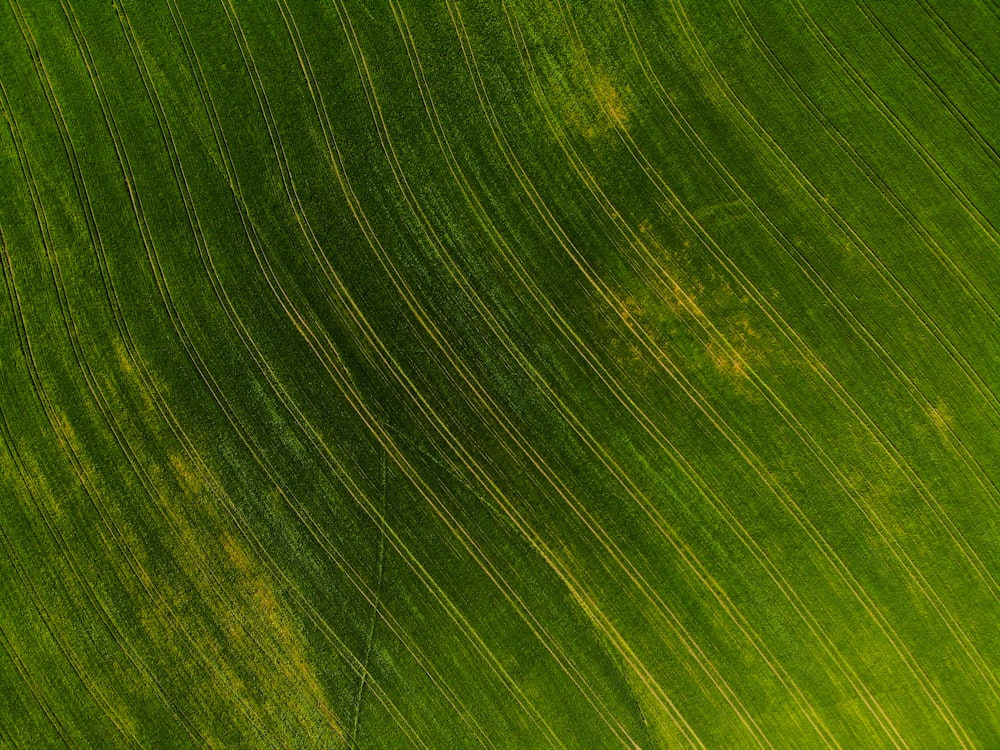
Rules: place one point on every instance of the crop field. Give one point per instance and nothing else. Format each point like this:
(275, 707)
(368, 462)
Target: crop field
(500, 374)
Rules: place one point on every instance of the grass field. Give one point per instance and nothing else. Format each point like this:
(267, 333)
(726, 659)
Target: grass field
(504, 374)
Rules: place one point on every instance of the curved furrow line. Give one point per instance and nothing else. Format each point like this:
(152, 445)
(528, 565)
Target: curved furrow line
(719, 339)
(808, 267)
(53, 629)
(136, 364)
(719, 422)
(5, 736)
(550, 394)
(978, 217)
(959, 43)
(77, 576)
(303, 328)
(733, 523)
(343, 379)
(56, 423)
(831, 556)
(215, 586)
(928, 81)
(803, 97)
(176, 320)
(297, 507)
(969, 554)
(62, 646)
(954, 533)
(872, 428)
(469, 379)
(955, 443)
(477, 387)
(653, 430)
(25, 674)
(913, 665)
(112, 129)
(256, 354)
(881, 527)
(630, 488)
(394, 367)
(359, 392)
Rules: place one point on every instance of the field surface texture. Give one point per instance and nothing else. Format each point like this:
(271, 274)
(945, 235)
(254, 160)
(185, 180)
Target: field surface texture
(500, 374)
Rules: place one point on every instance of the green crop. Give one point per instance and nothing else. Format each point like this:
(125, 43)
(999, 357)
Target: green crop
(501, 374)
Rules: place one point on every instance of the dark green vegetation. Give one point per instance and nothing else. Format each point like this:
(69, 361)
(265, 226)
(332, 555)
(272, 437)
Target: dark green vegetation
(480, 374)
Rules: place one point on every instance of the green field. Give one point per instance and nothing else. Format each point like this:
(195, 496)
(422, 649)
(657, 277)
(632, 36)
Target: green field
(500, 374)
